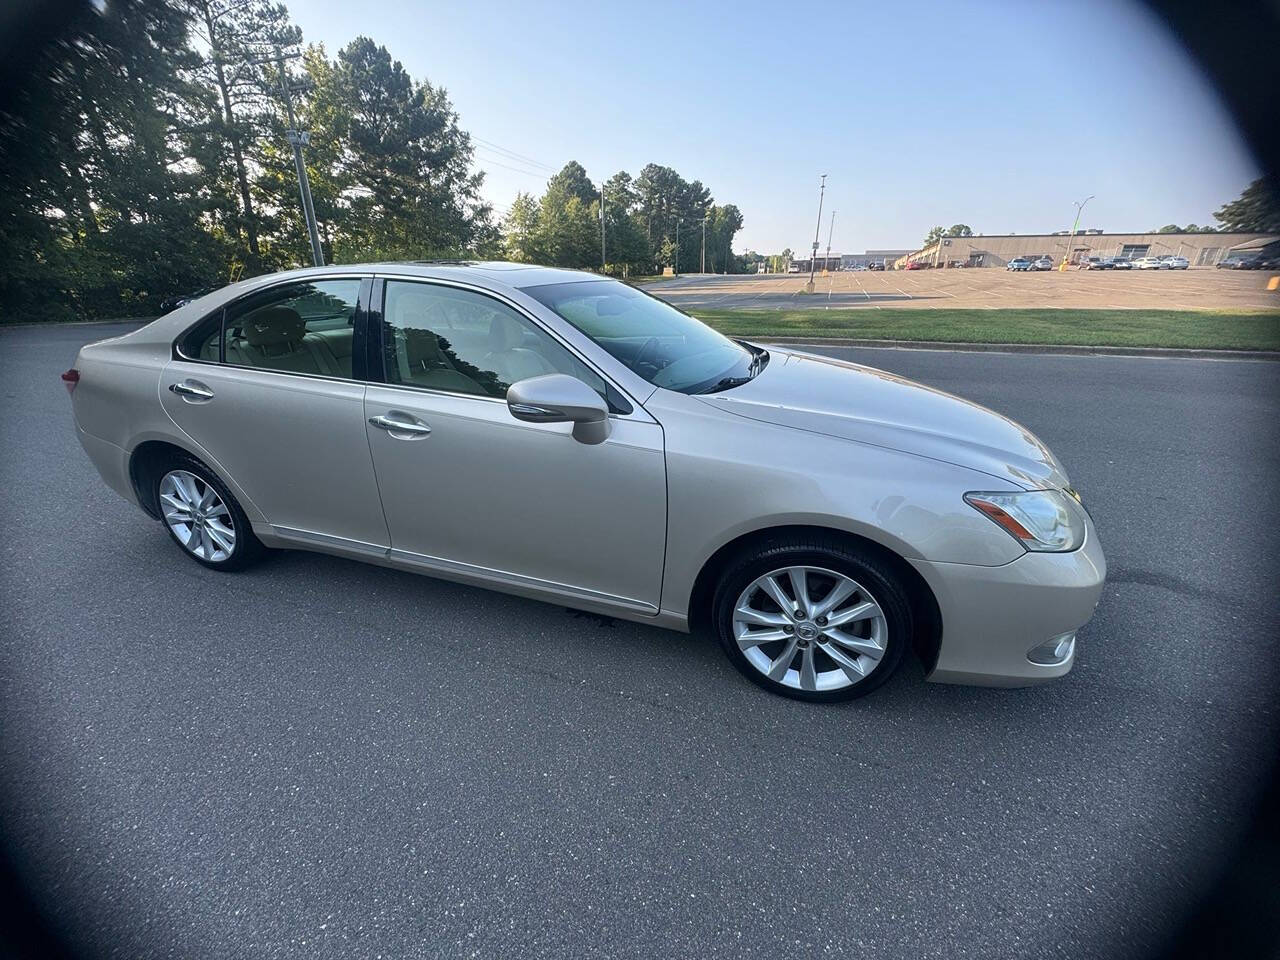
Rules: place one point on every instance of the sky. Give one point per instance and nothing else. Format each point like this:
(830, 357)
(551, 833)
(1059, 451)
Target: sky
(998, 115)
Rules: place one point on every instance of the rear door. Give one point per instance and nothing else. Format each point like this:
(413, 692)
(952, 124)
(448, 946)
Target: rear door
(271, 389)
(468, 489)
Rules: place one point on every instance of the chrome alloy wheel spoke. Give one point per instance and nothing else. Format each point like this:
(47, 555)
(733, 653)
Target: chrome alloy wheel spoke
(196, 514)
(784, 618)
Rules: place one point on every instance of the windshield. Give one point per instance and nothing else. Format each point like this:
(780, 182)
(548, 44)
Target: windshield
(668, 348)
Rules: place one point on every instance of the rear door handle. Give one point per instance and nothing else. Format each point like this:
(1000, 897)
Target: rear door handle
(192, 389)
(410, 429)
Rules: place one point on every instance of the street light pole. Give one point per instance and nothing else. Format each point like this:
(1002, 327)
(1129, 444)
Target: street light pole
(297, 138)
(677, 260)
(822, 189)
(1071, 240)
(827, 265)
(704, 243)
(603, 260)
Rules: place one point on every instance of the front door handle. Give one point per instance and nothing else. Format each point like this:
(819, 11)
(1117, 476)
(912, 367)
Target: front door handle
(411, 429)
(191, 389)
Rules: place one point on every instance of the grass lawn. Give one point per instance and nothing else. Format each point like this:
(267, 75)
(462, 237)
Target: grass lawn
(1240, 330)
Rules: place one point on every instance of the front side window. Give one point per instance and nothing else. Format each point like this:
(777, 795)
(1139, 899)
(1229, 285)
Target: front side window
(656, 341)
(444, 338)
(299, 328)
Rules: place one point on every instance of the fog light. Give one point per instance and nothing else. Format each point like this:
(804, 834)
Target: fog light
(1053, 652)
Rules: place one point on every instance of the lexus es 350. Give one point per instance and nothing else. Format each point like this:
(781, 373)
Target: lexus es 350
(568, 438)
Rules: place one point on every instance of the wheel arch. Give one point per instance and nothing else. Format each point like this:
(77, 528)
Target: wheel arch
(150, 454)
(927, 637)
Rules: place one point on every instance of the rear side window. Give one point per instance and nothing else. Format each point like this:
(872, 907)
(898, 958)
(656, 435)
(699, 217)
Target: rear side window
(299, 328)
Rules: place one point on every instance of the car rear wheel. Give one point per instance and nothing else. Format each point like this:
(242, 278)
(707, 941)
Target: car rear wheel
(813, 620)
(204, 518)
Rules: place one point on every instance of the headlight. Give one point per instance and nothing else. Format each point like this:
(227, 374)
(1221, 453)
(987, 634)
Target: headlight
(1041, 520)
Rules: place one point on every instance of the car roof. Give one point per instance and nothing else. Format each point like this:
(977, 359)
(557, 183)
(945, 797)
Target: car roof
(489, 272)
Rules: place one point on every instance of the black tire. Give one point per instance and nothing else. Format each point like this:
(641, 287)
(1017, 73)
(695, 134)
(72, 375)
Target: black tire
(863, 566)
(248, 549)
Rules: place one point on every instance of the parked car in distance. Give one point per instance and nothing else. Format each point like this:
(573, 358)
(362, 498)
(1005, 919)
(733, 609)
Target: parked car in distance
(1148, 263)
(1018, 263)
(568, 438)
(1094, 263)
(1175, 263)
(917, 265)
(1236, 262)
(1121, 263)
(1042, 263)
(876, 265)
(174, 301)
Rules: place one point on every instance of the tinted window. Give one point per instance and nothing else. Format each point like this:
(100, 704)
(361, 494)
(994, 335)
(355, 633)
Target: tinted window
(444, 338)
(299, 328)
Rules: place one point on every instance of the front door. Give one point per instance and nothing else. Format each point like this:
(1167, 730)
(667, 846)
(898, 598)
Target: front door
(270, 394)
(467, 489)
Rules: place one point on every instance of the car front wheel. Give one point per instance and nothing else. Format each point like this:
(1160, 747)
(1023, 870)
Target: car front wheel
(204, 518)
(813, 619)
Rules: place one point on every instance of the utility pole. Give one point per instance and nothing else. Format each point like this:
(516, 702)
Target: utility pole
(1071, 240)
(827, 266)
(704, 244)
(813, 257)
(603, 260)
(676, 265)
(298, 138)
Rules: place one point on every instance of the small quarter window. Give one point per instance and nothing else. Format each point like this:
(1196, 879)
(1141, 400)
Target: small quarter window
(204, 340)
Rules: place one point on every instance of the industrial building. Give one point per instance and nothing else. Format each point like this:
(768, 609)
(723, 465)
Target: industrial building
(848, 261)
(1201, 249)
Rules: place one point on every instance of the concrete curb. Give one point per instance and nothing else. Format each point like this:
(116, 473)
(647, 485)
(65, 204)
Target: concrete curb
(1073, 350)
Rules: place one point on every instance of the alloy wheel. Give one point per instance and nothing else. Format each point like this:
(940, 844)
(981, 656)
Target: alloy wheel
(197, 515)
(810, 628)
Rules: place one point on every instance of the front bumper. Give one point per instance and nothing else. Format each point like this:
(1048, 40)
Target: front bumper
(993, 617)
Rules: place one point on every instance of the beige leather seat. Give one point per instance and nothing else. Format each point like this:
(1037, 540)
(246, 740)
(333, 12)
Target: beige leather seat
(275, 338)
(508, 357)
(429, 367)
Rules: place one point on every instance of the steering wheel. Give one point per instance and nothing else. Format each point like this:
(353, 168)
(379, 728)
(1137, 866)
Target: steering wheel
(643, 352)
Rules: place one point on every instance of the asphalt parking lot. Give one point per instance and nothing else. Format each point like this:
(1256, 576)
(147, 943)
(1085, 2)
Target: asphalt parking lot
(983, 288)
(320, 758)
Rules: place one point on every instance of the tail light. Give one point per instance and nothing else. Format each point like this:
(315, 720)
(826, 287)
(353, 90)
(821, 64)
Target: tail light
(71, 378)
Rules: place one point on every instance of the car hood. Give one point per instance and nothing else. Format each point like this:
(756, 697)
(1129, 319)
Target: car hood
(853, 402)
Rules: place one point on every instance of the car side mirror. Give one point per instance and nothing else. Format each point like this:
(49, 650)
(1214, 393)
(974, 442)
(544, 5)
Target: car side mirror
(559, 398)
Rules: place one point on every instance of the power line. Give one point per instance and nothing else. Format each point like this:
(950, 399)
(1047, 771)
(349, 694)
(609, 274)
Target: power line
(511, 154)
(506, 166)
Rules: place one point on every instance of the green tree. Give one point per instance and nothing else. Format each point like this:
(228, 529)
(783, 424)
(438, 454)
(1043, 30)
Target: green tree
(955, 230)
(1257, 210)
(722, 224)
(627, 248)
(520, 230)
(103, 211)
(238, 36)
(409, 190)
(572, 181)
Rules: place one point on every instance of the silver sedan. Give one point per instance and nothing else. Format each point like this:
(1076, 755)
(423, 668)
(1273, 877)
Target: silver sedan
(568, 438)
